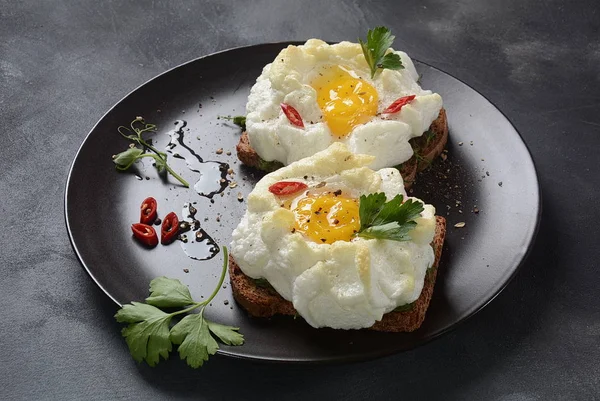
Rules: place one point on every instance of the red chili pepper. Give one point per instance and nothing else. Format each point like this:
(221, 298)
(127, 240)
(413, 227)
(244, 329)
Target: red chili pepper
(287, 187)
(148, 211)
(145, 234)
(169, 228)
(398, 104)
(292, 115)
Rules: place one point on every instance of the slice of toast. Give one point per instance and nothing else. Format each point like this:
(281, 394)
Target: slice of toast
(263, 301)
(426, 148)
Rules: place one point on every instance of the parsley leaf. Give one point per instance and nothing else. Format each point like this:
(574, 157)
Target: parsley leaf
(391, 220)
(227, 334)
(149, 335)
(168, 293)
(402, 213)
(379, 40)
(136, 312)
(148, 332)
(194, 339)
(240, 121)
(370, 206)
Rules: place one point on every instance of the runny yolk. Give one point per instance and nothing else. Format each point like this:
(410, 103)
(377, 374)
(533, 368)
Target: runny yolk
(345, 100)
(326, 218)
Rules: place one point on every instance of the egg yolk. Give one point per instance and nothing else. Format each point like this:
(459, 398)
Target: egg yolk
(326, 218)
(345, 100)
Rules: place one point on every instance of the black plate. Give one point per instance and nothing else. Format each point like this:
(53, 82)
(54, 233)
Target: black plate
(488, 167)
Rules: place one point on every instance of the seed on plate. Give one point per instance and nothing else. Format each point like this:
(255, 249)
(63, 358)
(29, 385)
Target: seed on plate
(219, 151)
(228, 153)
(230, 171)
(240, 197)
(460, 225)
(233, 184)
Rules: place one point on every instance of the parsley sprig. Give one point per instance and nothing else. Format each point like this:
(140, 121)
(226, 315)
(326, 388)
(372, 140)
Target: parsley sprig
(391, 220)
(379, 40)
(240, 121)
(150, 336)
(125, 159)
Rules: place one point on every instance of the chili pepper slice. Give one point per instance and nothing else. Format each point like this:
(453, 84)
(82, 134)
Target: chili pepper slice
(145, 234)
(292, 115)
(287, 187)
(148, 211)
(169, 228)
(398, 104)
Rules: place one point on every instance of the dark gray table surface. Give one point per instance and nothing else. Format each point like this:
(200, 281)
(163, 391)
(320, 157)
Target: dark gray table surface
(64, 63)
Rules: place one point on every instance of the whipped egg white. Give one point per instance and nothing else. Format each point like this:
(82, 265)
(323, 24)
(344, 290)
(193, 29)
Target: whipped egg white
(333, 278)
(331, 88)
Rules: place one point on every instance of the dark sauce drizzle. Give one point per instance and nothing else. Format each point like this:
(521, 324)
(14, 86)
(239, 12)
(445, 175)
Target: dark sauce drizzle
(196, 243)
(213, 174)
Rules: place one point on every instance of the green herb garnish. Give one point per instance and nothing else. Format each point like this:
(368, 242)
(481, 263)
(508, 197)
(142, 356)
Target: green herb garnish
(429, 136)
(263, 283)
(405, 307)
(149, 334)
(125, 159)
(391, 220)
(240, 121)
(269, 166)
(379, 40)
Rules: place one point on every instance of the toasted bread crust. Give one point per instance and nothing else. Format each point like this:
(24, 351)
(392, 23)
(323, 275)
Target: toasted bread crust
(266, 302)
(246, 153)
(427, 148)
